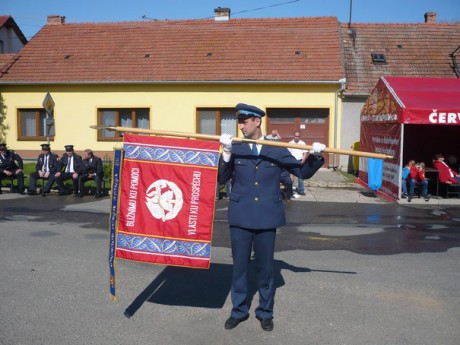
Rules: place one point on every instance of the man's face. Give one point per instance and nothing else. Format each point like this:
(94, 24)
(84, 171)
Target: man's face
(296, 137)
(249, 127)
(69, 153)
(86, 155)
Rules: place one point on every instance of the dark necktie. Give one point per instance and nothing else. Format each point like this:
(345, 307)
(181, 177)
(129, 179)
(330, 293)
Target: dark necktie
(68, 164)
(254, 150)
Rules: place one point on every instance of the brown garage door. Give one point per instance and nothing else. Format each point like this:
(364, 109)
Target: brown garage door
(312, 123)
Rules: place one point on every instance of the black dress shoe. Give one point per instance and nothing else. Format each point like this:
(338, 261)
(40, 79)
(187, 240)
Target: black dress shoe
(267, 324)
(233, 322)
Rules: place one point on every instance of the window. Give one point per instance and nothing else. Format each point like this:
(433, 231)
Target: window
(134, 118)
(379, 58)
(31, 124)
(216, 121)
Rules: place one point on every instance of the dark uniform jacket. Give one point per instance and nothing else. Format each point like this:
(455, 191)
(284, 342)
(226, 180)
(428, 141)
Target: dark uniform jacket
(10, 162)
(53, 162)
(92, 165)
(77, 163)
(255, 201)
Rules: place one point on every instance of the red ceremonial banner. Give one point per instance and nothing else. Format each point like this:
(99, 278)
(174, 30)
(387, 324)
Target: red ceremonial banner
(166, 205)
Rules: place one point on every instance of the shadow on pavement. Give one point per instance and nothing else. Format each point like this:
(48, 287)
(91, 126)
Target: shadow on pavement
(178, 286)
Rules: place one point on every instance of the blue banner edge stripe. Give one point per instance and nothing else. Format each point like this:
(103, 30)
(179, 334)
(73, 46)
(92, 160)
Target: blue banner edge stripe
(116, 176)
(124, 241)
(128, 148)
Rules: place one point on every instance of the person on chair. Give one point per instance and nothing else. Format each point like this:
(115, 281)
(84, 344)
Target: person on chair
(417, 179)
(45, 168)
(91, 170)
(70, 166)
(11, 165)
(446, 174)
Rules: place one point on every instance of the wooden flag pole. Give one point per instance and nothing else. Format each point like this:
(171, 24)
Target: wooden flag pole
(237, 139)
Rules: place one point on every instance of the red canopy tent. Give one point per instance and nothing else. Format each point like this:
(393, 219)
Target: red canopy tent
(409, 118)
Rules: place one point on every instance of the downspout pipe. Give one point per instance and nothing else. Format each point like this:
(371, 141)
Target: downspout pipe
(342, 82)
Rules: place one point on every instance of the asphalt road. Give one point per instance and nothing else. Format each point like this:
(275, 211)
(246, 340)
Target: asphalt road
(345, 273)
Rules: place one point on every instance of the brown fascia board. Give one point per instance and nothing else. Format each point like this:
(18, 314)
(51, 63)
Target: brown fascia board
(184, 82)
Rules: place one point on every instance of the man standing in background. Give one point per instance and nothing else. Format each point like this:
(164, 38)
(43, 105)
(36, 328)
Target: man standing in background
(301, 156)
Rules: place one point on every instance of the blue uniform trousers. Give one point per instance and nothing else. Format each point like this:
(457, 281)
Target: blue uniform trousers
(263, 242)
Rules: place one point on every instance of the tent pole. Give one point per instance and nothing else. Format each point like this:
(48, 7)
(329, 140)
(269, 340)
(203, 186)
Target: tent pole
(401, 146)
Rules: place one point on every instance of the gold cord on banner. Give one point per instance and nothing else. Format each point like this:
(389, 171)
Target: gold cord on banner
(237, 139)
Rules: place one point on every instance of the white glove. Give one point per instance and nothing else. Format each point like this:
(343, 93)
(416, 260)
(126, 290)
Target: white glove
(317, 147)
(226, 142)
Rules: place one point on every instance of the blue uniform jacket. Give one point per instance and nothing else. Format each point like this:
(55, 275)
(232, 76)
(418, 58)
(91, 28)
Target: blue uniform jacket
(11, 162)
(53, 162)
(93, 167)
(77, 163)
(255, 201)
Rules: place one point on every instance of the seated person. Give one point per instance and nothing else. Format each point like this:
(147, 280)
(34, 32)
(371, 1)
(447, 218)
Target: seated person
(70, 166)
(452, 162)
(405, 175)
(11, 165)
(417, 178)
(91, 170)
(446, 174)
(45, 168)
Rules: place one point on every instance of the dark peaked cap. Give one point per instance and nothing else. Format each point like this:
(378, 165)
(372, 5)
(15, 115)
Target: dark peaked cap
(243, 111)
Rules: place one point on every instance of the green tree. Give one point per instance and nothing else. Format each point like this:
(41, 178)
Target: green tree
(3, 126)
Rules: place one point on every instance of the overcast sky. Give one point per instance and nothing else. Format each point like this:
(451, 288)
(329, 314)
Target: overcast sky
(31, 15)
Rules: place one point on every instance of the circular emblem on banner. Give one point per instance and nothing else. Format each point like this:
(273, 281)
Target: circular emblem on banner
(164, 199)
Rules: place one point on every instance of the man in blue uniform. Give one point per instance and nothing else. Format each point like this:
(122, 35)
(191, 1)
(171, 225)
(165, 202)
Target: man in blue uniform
(11, 165)
(256, 209)
(45, 168)
(92, 170)
(70, 166)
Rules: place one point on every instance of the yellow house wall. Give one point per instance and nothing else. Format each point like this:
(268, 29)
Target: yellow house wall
(172, 107)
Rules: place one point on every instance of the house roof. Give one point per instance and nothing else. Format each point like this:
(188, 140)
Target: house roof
(237, 50)
(6, 59)
(411, 50)
(8, 21)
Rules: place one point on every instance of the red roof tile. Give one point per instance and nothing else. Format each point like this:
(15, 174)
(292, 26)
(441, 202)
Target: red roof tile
(182, 51)
(411, 50)
(5, 59)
